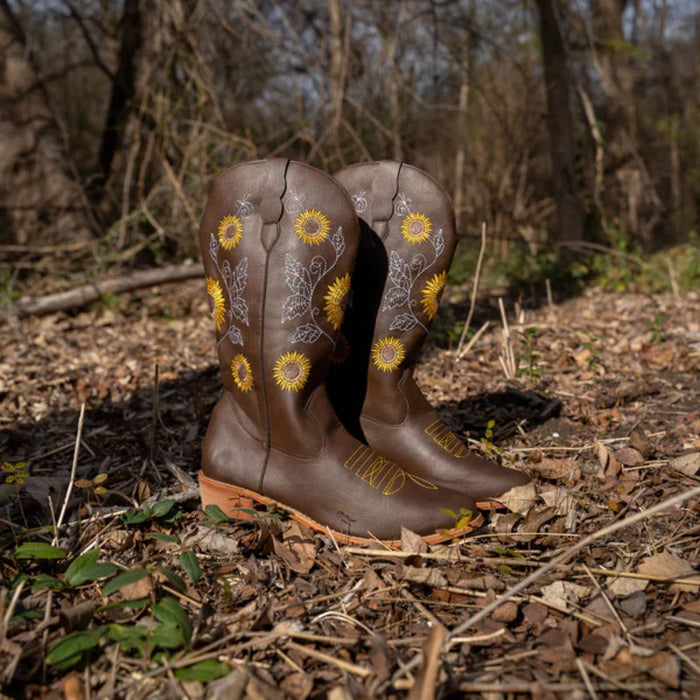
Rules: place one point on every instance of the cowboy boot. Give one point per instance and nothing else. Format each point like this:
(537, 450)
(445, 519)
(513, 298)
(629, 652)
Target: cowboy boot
(278, 240)
(407, 245)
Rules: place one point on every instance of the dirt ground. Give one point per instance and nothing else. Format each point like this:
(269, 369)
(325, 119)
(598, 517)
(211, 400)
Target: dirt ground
(603, 411)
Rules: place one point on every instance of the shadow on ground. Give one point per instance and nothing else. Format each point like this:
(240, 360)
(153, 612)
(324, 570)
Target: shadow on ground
(151, 443)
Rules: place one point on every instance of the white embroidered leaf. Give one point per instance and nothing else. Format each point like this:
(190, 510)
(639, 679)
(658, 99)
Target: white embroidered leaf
(296, 276)
(239, 278)
(234, 335)
(403, 322)
(338, 241)
(226, 272)
(213, 246)
(317, 268)
(239, 309)
(399, 272)
(307, 333)
(294, 306)
(396, 296)
(418, 264)
(438, 241)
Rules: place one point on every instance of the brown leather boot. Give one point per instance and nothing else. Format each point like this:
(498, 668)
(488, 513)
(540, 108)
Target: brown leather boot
(278, 240)
(408, 241)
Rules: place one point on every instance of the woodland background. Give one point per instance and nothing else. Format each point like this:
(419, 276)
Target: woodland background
(565, 126)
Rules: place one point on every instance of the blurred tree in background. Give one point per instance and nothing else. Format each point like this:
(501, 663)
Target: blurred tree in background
(562, 124)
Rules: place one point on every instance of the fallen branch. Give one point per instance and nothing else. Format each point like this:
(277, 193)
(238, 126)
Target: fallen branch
(87, 294)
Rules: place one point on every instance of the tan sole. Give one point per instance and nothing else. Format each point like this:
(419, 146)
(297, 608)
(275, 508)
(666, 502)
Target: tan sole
(237, 503)
(489, 505)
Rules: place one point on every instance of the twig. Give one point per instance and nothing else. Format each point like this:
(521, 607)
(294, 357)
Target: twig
(326, 658)
(74, 468)
(473, 340)
(554, 563)
(82, 296)
(475, 287)
(586, 679)
(507, 359)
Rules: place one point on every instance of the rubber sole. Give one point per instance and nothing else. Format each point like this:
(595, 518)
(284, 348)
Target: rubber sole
(240, 504)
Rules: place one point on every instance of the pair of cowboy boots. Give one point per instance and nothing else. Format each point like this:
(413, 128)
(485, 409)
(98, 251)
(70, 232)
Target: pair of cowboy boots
(330, 425)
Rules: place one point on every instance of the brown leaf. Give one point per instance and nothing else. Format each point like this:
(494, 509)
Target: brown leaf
(532, 523)
(73, 687)
(668, 565)
(298, 685)
(508, 612)
(412, 543)
(427, 576)
(688, 464)
(296, 550)
(629, 457)
(519, 499)
(77, 617)
(555, 468)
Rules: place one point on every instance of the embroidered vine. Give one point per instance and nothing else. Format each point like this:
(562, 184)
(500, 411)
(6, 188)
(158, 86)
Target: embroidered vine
(403, 275)
(234, 279)
(302, 281)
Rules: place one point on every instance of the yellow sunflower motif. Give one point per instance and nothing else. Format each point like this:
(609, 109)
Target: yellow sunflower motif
(432, 293)
(230, 232)
(388, 353)
(241, 372)
(416, 228)
(291, 371)
(342, 350)
(336, 299)
(312, 226)
(217, 306)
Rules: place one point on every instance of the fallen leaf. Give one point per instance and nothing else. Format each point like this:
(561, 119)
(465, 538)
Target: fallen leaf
(427, 576)
(669, 565)
(626, 586)
(555, 468)
(297, 551)
(519, 499)
(297, 685)
(560, 593)
(508, 612)
(629, 457)
(412, 543)
(688, 464)
(559, 499)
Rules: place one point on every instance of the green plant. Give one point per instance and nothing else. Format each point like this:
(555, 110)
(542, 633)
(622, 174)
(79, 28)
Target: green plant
(656, 327)
(529, 355)
(594, 353)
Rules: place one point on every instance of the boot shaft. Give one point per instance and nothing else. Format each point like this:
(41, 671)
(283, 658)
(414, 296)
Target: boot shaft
(278, 239)
(408, 242)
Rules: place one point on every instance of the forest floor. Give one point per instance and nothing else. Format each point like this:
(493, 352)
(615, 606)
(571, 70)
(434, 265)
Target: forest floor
(586, 586)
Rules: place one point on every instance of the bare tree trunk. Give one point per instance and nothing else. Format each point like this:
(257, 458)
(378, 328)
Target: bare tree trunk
(39, 192)
(570, 213)
(462, 116)
(123, 86)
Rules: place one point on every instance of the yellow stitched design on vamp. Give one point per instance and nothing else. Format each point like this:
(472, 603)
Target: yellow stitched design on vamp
(381, 474)
(444, 437)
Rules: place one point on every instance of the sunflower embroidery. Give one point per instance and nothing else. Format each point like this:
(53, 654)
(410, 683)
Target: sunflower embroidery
(230, 232)
(388, 353)
(312, 226)
(216, 301)
(432, 293)
(336, 299)
(241, 372)
(291, 371)
(416, 228)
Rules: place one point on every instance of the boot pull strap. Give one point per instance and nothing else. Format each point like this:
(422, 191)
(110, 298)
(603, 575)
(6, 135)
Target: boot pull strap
(385, 188)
